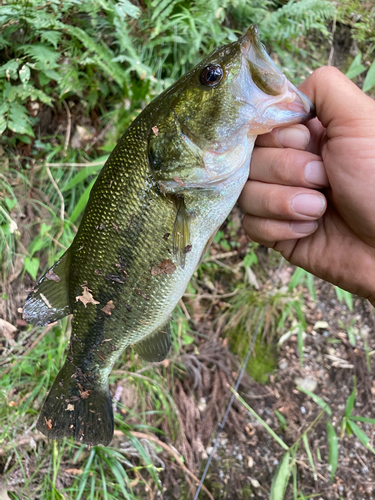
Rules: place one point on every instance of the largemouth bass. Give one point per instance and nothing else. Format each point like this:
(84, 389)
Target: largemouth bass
(168, 185)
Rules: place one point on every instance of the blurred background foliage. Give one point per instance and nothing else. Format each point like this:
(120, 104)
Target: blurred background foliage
(73, 75)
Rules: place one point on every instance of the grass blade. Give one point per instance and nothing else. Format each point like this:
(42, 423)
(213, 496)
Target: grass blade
(351, 399)
(361, 435)
(282, 421)
(267, 427)
(333, 448)
(85, 475)
(370, 78)
(82, 202)
(298, 277)
(281, 478)
(309, 455)
(363, 419)
(319, 401)
(311, 286)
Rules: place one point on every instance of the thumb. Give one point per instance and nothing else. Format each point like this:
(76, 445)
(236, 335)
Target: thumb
(342, 108)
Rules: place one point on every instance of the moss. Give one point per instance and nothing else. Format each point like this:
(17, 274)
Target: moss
(264, 359)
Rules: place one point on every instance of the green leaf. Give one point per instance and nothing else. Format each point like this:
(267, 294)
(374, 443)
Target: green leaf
(351, 399)
(82, 202)
(53, 37)
(9, 70)
(281, 478)
(250, 259)
(333, 449)
(19, 120)
(31, 265)
(356, 68)
(24, 73)
(44, 228)
(370, 78)
(187, 339)
(125, 7)
(44, 56)
(28, 91)
(319, 401)
(361, 435)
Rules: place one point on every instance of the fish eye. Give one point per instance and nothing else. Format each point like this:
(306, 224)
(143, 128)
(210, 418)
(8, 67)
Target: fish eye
(211, 75)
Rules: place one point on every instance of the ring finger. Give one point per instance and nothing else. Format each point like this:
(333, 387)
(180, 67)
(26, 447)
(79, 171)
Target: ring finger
(273, 201)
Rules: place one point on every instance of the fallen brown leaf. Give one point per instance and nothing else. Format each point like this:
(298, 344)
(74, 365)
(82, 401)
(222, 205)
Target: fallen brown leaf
(108, 308)
(75, 472)
(86, 297)
(52, 276)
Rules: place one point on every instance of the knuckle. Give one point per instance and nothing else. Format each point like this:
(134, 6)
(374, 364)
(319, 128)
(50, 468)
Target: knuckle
(275, 203)
(325, 73)
(282, 168)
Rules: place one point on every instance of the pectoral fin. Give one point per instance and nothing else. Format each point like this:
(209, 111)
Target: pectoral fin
(156, 346)
(181, 231)
(49, 301)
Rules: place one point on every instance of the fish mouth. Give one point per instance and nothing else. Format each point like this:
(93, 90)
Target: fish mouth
(287, 104)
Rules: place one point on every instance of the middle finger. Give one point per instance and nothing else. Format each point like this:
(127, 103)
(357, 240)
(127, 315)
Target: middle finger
(273, 201)
(288, 167)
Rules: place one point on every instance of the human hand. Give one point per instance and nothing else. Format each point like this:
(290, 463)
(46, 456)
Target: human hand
(331, 232)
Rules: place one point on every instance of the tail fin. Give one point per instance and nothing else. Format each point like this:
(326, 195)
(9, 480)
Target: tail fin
(77, 407)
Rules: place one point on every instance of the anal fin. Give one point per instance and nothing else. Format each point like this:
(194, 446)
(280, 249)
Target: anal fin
(49, 301)
(155, 347)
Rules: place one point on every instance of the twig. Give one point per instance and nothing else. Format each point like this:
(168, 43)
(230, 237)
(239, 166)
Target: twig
(62, 165)
(183, 307)
(225, 266)
(141, 435)
(299, 462)
(39, 338)
(260, 396)
(68, 128)
(224, 255)
(135, 375)
(211, 296)
(62, 210)
(99, 137)
(21, 442)
(55, 241)
(329, 63)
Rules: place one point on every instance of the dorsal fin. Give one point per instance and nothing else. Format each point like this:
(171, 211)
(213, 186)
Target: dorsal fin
(49, 301)
(156, 346)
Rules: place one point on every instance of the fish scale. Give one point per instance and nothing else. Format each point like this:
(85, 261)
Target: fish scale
(156, 205)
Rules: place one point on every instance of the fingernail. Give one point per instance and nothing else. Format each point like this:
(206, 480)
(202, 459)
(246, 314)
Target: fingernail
(293, 137)
(316, 173)
(304, 227)
(309, 204)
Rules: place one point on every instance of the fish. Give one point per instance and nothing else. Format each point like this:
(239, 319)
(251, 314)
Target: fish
(156, 205)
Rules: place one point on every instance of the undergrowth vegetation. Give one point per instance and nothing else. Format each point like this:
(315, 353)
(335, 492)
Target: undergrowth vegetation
(73, 75)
